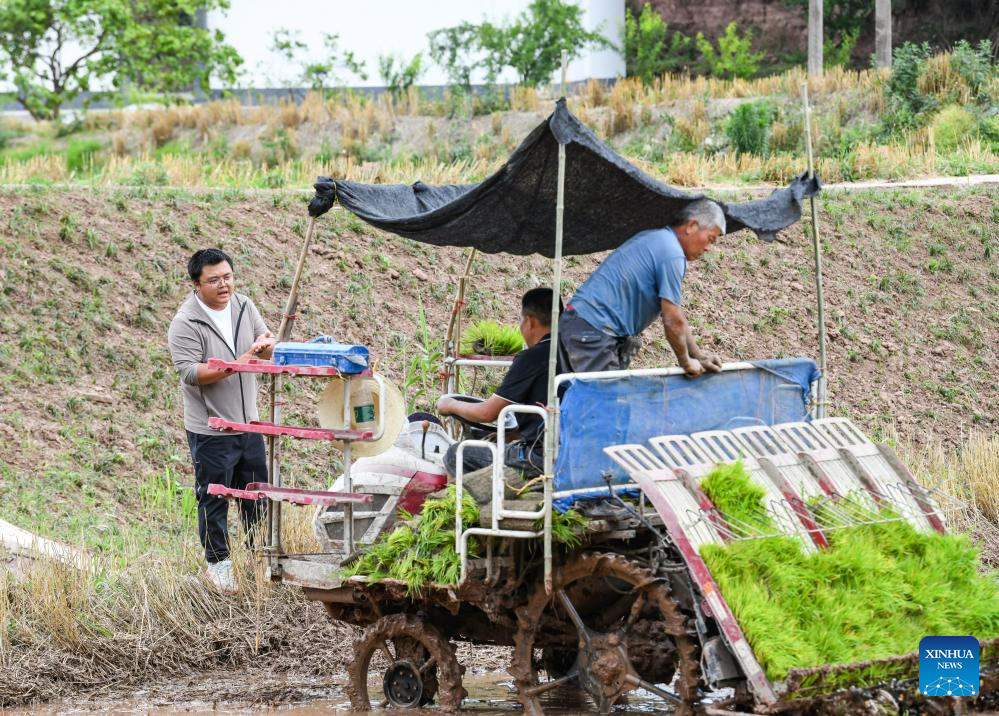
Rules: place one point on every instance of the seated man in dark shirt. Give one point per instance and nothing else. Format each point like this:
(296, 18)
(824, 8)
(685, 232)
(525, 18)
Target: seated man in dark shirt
(526, 383)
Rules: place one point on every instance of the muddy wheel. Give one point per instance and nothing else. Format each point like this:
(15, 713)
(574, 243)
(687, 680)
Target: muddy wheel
(628, 631)
(402, 661)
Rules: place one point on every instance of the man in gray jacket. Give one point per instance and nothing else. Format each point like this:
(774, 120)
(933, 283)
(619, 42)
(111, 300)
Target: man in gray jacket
(217, 322)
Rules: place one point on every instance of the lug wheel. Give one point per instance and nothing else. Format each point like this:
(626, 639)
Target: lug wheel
(626, 630)
(403, 661)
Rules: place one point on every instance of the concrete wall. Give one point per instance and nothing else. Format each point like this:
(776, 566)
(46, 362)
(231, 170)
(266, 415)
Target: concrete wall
(382, 27)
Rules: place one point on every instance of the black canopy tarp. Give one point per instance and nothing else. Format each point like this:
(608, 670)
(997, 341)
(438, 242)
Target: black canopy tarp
(607, 200)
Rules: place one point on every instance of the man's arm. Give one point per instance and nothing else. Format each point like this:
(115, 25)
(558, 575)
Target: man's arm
(486, 412)
(690, 357)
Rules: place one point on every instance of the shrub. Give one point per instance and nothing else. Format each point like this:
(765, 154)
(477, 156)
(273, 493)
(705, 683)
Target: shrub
(836, 51)
(80, 155)
(733, 57)
(748, 127)
(951, 126)
(645, 50)
(906, 104)
(974, 66)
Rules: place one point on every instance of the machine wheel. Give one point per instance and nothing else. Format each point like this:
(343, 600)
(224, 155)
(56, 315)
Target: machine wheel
(417, 665)
(628, 630)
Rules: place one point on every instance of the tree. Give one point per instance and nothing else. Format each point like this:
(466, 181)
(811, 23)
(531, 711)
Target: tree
(645, 50)
(531, 45)
(535, 40)
(53, 51)
(732, 58)
(399, 80)
(317, 74)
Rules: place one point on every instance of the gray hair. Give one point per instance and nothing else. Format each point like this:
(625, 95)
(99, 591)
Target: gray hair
(705, 212)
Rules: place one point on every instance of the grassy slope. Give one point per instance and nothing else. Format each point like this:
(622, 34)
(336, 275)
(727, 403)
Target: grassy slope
(91, 279)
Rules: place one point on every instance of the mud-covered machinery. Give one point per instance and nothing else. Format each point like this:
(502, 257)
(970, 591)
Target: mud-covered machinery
(632, 607)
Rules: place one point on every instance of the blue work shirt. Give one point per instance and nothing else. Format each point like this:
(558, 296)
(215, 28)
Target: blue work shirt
(622, 297)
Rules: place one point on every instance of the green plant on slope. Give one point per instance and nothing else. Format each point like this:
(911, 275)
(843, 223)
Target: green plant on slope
(421, 373)
(874, 593)
(748, 127)
(733, 58)
(953, 126)
(645, 51)
(490, 338)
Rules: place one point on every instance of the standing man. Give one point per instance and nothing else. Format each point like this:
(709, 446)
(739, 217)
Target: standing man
(640, 281)
(217, 322)
(525, 383)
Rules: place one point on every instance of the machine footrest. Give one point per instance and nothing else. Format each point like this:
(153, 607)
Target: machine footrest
(265, 428)
(296, 496)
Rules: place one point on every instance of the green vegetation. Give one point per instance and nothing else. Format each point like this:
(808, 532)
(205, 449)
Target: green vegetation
(490, 338)
(874, 593)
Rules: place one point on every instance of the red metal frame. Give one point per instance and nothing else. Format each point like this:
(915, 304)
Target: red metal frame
(731, 630)
(296, 496)
(797, 504)
(265, 428)
(256, 365)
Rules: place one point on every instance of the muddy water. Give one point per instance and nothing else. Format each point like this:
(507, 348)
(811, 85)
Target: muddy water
(489, 694)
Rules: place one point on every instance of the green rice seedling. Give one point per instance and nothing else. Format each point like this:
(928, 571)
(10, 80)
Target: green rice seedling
(490, 338)
(420, 551)
(732, 492)
(874, 593)
(567, 527)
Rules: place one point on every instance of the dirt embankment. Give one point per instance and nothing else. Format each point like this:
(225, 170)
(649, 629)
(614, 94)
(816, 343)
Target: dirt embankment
(91, 280)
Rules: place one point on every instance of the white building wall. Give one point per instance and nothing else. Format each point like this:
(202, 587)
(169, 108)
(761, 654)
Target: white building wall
(381, 27)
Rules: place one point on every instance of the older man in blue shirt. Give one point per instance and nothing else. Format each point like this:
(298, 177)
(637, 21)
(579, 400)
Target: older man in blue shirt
(640, 281)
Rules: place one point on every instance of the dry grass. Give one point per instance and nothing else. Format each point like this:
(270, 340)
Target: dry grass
(970, 473)
(685, 169)
(142, 614)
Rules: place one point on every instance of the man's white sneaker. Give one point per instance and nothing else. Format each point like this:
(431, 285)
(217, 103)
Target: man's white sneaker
(221, 576)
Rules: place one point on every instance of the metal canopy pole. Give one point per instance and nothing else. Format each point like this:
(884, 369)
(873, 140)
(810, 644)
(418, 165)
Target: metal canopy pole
(553, 350)
(821, 398)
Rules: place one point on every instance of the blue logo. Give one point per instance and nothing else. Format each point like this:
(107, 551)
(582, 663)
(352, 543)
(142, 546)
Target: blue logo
(948, 666)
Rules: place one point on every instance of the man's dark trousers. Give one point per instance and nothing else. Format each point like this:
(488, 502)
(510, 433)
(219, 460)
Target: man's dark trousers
(234, 461)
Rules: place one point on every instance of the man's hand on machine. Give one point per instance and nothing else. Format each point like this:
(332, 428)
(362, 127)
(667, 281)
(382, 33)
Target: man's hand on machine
(692, 368)
(710, 362)
(445, 405)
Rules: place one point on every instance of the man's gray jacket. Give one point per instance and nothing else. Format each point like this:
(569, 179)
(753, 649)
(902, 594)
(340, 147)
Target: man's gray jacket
(193, 338)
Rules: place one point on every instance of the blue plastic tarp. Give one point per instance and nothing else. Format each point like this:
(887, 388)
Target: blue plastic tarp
(598, 413)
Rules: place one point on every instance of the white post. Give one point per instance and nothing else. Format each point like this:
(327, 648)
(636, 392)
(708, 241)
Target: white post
(550, 445)
(882, 33)
(821, 397)
(815, 38)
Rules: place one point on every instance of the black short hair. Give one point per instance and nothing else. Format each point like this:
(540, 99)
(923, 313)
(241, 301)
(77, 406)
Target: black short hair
(206, 257)
(538, 303)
